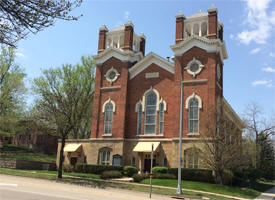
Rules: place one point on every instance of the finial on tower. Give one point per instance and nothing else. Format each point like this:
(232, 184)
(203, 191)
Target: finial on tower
(212, 9)
(142, 35)
(103, 28)
(180, 14)
(129, 23)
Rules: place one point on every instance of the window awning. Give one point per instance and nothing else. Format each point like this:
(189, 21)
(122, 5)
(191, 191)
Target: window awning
(71, 147)
(146, 146)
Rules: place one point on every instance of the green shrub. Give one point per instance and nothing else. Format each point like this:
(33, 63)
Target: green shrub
(111, 174)
(227, 177)
(68, 168)
(164, 176)
(245, 175)
(253, 174)
(130, 170)
(96, 169)
(161, 170)
(79, 168)
(139, 177)
(202, 175)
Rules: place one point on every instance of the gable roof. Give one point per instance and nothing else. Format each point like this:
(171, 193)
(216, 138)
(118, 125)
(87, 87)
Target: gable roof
(117, 53)
(210, 45)
(147, 61)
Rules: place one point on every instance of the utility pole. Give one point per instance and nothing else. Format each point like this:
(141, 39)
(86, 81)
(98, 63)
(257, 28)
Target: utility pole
(179, 191)
(151, 173)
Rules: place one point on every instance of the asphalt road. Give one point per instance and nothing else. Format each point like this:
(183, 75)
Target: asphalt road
(21, 188)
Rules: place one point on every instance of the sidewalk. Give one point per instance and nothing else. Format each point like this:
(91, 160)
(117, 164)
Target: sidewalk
(269, 195)
(126, 181)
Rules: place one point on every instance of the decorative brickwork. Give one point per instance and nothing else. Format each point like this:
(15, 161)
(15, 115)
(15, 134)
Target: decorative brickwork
(198, 38)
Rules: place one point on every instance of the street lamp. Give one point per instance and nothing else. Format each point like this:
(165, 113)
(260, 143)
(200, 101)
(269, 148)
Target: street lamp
(179, 191)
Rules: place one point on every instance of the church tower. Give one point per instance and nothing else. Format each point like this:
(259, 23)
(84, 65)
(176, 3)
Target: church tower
(199, 53)
(118, 50)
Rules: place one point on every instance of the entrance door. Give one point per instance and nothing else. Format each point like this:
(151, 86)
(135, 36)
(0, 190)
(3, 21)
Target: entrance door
(147, 165)
(73, 160)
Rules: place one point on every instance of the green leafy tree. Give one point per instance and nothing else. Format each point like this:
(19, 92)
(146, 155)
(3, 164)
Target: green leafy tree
(18, 18)
(12, 90)
(64, 97)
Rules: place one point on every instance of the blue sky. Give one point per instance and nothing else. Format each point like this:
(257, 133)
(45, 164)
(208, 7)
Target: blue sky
(249, 28)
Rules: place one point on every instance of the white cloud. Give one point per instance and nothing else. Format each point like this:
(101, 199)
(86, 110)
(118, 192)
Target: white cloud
(254, 51)
(127, 15)
(271, 54)
(231, 36)
(269, 69)
(259, 20)
(267, 83)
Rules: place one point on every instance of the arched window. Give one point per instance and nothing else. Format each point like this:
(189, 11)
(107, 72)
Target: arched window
(139, 118)
(117, 160)
(150, 113)
(108, 118)
(161, 118)
(105, 157)
(193, 116)
(191, 158)
(165, 162)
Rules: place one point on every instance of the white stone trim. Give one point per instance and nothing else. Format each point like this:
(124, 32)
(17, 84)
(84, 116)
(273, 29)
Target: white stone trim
(189, 66)
(152, 75)
(213, 45)
(137, 104)
(109, 101)
(187, 107)
(111, 81)
(124, 56)
(144, 96)
(190, 97)
(147, 61)
(164, 104)
(232, 115)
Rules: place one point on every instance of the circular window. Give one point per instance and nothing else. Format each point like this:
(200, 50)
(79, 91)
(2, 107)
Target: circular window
(194, 67)
(111, 75)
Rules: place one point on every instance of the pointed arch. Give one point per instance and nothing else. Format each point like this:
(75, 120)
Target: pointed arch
(109, 101)
(193, 96)
(145, 94)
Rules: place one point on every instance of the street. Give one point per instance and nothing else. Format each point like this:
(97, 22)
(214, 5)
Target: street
(21, 188)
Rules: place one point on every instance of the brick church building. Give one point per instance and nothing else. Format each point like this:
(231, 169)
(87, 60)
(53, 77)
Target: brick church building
(137, 96)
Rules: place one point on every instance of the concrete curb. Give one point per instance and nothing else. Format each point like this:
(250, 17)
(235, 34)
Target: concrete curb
(267, 195)
(163, 187)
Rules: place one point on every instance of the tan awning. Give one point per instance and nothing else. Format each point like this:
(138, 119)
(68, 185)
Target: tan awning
(72, 147)
(146, 146)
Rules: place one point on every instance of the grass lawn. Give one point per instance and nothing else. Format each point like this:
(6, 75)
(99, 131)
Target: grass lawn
(94, 181)
(23, 153)
(44, 173)
(12, 148)
(251, 192)
(32, 156)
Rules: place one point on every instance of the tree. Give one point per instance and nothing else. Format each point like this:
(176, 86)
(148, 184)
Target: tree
(18, 18)
(221, 149)
(64, 96)
(12, 90)
(260, 130)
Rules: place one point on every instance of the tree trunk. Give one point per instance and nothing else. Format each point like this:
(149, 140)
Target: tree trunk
(61, 153)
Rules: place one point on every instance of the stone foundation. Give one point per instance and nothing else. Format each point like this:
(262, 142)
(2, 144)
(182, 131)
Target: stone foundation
(92, 149)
